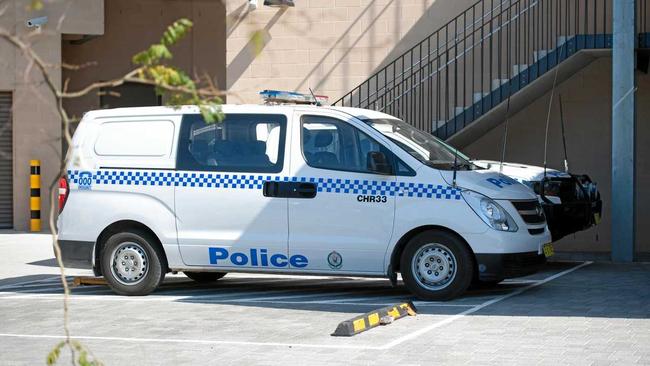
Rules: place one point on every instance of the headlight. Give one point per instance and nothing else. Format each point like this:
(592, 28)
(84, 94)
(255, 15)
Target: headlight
(489, 211)
(551, 188)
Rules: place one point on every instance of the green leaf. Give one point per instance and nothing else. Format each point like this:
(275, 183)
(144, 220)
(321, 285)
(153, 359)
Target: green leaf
(167, 77)
(35, 5)
(176, 31)
(257, 41)
(153, 55)
(54, 354)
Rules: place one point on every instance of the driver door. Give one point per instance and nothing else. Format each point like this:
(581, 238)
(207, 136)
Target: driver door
(347, 224)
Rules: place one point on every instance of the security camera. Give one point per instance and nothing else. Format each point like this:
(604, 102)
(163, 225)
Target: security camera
(36, 22)
(279, 3)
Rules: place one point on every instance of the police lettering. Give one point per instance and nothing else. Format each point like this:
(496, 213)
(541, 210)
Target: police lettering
(501, 181)
(257, 258)
(377, 199)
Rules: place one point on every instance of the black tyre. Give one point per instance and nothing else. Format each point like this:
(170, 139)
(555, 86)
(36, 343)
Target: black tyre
(204, 277)
(132, 263)
(436, 265)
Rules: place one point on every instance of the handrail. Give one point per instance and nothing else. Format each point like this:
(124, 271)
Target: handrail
(463, 52)
(419, 44)
(471, 63)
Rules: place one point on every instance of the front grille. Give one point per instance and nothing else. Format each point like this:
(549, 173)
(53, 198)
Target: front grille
(531, 211)
(536, 231)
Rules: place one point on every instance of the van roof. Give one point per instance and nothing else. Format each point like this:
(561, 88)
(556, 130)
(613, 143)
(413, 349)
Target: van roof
(230, 108)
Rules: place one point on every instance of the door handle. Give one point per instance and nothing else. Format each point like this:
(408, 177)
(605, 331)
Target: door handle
(305, 190)
(289, 189)
(271, 189)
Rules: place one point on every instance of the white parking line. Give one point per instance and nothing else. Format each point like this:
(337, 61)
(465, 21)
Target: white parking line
(185, 294)
(422, 331)
(335, 343)
(233, 296)
(352, 302)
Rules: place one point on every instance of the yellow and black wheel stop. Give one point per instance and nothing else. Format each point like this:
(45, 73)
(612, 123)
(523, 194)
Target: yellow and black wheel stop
(372, 319)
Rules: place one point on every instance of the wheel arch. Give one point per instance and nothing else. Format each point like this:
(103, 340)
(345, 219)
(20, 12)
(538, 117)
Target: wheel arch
(394, 265)
(125, 226)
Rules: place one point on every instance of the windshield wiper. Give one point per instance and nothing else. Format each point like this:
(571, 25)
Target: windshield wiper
(459, 166)
(448, 165)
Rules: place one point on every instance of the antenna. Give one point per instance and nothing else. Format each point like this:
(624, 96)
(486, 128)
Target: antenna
(505, 133)
(566, 158)
(453, 182)
(550, 105)
(319, 104)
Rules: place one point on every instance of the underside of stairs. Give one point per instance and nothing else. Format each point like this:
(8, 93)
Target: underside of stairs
(529, 83)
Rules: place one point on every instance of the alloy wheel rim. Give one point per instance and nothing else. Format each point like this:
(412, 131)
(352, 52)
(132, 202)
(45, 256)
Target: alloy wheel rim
(129, 263)
(434, 266)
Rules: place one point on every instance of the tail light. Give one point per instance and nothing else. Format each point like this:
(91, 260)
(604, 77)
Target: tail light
(64, 190)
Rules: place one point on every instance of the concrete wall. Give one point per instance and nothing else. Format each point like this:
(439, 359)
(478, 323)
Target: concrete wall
(131, 26)
(36, 125)
(587, 102)
(329, 46)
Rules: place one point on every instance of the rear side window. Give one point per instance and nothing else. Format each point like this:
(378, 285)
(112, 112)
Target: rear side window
(240, 143)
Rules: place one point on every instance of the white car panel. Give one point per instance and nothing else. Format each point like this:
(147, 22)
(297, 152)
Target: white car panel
(307, 235)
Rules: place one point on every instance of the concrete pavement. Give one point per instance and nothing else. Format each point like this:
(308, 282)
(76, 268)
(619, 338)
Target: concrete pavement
(571, 313)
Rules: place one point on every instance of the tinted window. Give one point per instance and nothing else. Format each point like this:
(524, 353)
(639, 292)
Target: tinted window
(241, 143)
(328, 143)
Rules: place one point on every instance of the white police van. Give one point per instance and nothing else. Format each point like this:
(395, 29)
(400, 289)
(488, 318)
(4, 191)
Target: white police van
(296, 189)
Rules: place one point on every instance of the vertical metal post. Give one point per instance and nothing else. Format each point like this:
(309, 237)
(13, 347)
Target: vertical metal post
(35, 195)
(623, 132)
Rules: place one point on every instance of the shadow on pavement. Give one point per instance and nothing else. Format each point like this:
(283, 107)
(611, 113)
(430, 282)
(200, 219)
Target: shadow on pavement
(597, 290)
(45, 263)
(31, 278)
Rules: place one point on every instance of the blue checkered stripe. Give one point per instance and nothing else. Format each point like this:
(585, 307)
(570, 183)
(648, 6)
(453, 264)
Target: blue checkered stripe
(383, 188)
(249, 181)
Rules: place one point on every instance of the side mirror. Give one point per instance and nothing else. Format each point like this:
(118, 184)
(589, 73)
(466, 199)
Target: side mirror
(378, 163)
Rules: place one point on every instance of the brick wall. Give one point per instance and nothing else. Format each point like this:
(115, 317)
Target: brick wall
(328, 45)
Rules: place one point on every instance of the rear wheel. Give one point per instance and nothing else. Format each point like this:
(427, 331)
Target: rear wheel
(204, 277)
(436, 265)
(132, 263)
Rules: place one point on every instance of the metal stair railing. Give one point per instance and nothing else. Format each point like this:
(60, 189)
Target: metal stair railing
(475, 61)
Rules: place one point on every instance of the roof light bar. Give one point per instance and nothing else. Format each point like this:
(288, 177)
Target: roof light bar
(287, 97)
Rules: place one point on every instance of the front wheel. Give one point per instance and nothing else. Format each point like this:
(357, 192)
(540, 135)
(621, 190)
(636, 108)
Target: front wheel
(436, 265)
(132, 263)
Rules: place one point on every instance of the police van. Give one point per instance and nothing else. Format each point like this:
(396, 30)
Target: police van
(291, 189)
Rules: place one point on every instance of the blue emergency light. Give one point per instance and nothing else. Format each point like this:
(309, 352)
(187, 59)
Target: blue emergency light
(287, 97)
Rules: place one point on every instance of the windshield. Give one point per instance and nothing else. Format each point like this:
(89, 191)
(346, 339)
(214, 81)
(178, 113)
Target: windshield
(422, 146)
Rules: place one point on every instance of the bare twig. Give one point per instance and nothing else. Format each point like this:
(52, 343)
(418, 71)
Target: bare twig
(202, 90)
(72, 67)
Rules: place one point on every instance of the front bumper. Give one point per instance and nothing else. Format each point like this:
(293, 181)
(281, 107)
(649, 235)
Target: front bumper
(77, 254)
(496, 267)
(567, 218)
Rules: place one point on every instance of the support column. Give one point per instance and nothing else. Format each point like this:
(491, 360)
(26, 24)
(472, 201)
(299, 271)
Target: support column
(623, 132)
